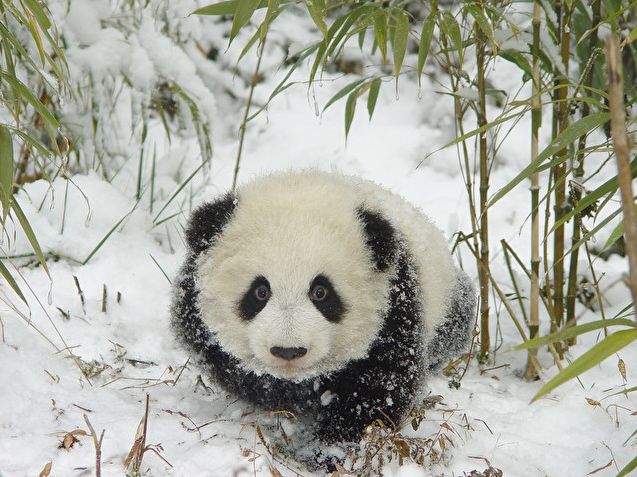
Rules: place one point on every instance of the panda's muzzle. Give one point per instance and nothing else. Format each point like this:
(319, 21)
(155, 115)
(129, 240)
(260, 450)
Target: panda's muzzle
(288, 353)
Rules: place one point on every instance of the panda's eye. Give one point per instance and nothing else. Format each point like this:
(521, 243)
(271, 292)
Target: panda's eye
(262, 293)
(318, 293)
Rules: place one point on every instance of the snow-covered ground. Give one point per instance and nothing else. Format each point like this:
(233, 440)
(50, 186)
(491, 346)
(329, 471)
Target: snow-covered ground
(112, 311)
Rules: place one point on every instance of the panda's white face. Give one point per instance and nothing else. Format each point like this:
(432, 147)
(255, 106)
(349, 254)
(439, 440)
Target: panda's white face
(289, 287)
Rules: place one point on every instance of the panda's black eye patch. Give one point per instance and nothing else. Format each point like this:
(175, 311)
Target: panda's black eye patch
(255, 299)
(325, 299)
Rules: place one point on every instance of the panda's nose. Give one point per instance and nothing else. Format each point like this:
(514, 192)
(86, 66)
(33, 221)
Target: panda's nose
(288, 353)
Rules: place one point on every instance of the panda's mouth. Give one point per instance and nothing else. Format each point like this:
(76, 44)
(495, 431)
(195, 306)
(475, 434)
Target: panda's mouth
(290, 370)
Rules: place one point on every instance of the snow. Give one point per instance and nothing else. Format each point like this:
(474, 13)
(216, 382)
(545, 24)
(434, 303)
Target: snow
(119, 319)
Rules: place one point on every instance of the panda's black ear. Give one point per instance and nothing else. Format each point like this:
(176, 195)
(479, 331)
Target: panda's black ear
(381, 237)
(207, 222)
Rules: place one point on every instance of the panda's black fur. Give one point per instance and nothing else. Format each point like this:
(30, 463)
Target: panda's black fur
(336, 406)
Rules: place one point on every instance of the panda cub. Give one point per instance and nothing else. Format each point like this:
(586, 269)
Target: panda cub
(323, 295)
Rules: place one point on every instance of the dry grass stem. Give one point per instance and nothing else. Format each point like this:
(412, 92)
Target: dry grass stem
(98, 447)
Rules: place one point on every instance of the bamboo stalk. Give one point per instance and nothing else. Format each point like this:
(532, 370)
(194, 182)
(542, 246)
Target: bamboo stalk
(483, 270)
(622, 155)
(536, 118)
(571, 293)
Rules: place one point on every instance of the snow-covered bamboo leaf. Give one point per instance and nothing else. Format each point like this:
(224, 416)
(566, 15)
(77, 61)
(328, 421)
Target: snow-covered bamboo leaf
(592, 357)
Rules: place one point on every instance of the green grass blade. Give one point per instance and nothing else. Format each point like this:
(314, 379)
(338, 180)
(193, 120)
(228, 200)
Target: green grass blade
(6, 170)
(28, 231)
(11, 281)
(161, 269)
(179, 189)
(108, 234)
(592, 357)
(632, 465)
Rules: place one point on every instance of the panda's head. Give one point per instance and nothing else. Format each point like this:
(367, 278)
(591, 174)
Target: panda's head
(293, 273)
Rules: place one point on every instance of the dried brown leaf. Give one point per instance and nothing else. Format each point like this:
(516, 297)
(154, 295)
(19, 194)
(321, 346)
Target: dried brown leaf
(592, 402)
(47, 470)
(601, 468)
(275, 472)
(622, 369)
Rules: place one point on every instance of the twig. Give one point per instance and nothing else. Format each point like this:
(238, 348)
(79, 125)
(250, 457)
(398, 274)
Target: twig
(242, 128)
(98, 447)
(622, 148)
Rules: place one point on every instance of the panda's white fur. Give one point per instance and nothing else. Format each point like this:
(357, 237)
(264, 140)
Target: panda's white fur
(291, 228)
(250, 302)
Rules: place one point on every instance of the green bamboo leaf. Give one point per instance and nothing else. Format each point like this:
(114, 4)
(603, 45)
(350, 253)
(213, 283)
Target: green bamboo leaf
(6, 170)
(567, 137)
(317, 12)
(272, 12)
(11, 281)
(28, 231)
(223, 8)
(38, 13)
(615, 235)
(380, 32)
(350, 109)
(399, 38)
(481, 19)
(632, 465)
(33, 101)
(452, 29)
(517, 59)
(425, 41)
(36, 37)
(344, 91)
(607, 188)
(244, 11)
(592, 357)
(374, 88)
(574, 331)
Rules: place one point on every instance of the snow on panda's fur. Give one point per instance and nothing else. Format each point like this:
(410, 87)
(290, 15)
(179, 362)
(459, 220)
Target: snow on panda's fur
(320, 294)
